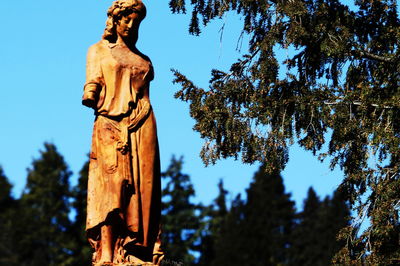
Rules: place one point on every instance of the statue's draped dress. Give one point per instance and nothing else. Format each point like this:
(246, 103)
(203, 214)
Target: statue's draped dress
(124, 170)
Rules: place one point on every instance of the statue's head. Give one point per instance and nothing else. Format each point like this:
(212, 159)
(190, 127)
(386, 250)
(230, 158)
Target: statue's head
(119, 11)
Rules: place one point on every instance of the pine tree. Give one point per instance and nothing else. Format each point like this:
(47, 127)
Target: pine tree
(315, 234)
(180, 222)
(308, 235)
(212, 218)
(342, 77)
(335, 214)
(44, 212)
(81, 251)
(257, 231)
(229, 240)
(5, 190)
(8, 216)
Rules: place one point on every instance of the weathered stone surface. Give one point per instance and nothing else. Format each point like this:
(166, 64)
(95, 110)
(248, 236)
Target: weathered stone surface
(125, 264)
(124, 190)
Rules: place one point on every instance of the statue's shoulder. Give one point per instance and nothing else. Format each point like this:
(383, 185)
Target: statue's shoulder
(100, 46)
(144, 57)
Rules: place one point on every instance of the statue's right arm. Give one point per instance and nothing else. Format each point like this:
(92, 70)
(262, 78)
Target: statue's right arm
(94, 78)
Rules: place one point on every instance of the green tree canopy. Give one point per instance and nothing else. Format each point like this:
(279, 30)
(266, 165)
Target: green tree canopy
(314, 238)
(44, 238)
(8, 217)
(306, 248)
(257, 231)
(179, 219)
(5, 190)
(212, 218)
(340, 88)
(81, 250)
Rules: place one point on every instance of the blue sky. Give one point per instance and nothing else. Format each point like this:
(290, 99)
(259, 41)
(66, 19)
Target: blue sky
(42, 71)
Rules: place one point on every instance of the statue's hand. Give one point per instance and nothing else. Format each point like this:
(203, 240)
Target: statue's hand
(122, 147)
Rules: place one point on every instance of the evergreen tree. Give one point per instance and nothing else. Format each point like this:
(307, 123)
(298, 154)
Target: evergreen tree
(335, 217)
(179, 215)
(342, 76)
(257, 231)
(81, 251)
(5, 191)
(308, 235)
(44, 212)
(212, 218)
(229, 240)
(315, 235)
(8, 212)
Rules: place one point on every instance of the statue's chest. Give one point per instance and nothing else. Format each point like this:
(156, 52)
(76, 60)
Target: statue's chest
(121, 60)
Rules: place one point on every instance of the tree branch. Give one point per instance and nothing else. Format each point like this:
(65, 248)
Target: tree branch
(357, 103)
(368, 55)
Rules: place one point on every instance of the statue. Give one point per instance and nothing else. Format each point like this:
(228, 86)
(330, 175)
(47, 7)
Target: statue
(124, 187)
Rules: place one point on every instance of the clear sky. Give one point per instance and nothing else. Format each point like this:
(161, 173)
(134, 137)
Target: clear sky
(43, 49)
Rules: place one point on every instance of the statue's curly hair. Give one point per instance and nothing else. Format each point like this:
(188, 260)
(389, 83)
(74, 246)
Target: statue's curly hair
(118, 9)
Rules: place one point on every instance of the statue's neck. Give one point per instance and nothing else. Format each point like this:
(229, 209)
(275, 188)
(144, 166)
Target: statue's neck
(128, 42)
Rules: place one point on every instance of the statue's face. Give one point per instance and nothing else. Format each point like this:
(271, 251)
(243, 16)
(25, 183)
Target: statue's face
(127, 25)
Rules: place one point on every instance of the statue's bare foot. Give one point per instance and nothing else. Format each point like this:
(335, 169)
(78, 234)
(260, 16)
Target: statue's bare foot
(105, 260)
(134, 260)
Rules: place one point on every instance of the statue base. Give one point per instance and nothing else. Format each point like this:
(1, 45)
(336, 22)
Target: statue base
(125, 264)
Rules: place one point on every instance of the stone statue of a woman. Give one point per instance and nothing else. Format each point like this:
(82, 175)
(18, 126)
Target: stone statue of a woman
(124, 191)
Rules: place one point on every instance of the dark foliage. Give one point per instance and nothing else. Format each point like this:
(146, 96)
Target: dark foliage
(8, 218)
(179, 219)
(36, 229)
(81, 251)
(342, 78)
(257, 231)
(212, 218)
(44, 209)
(261, 230)
(315, 235)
